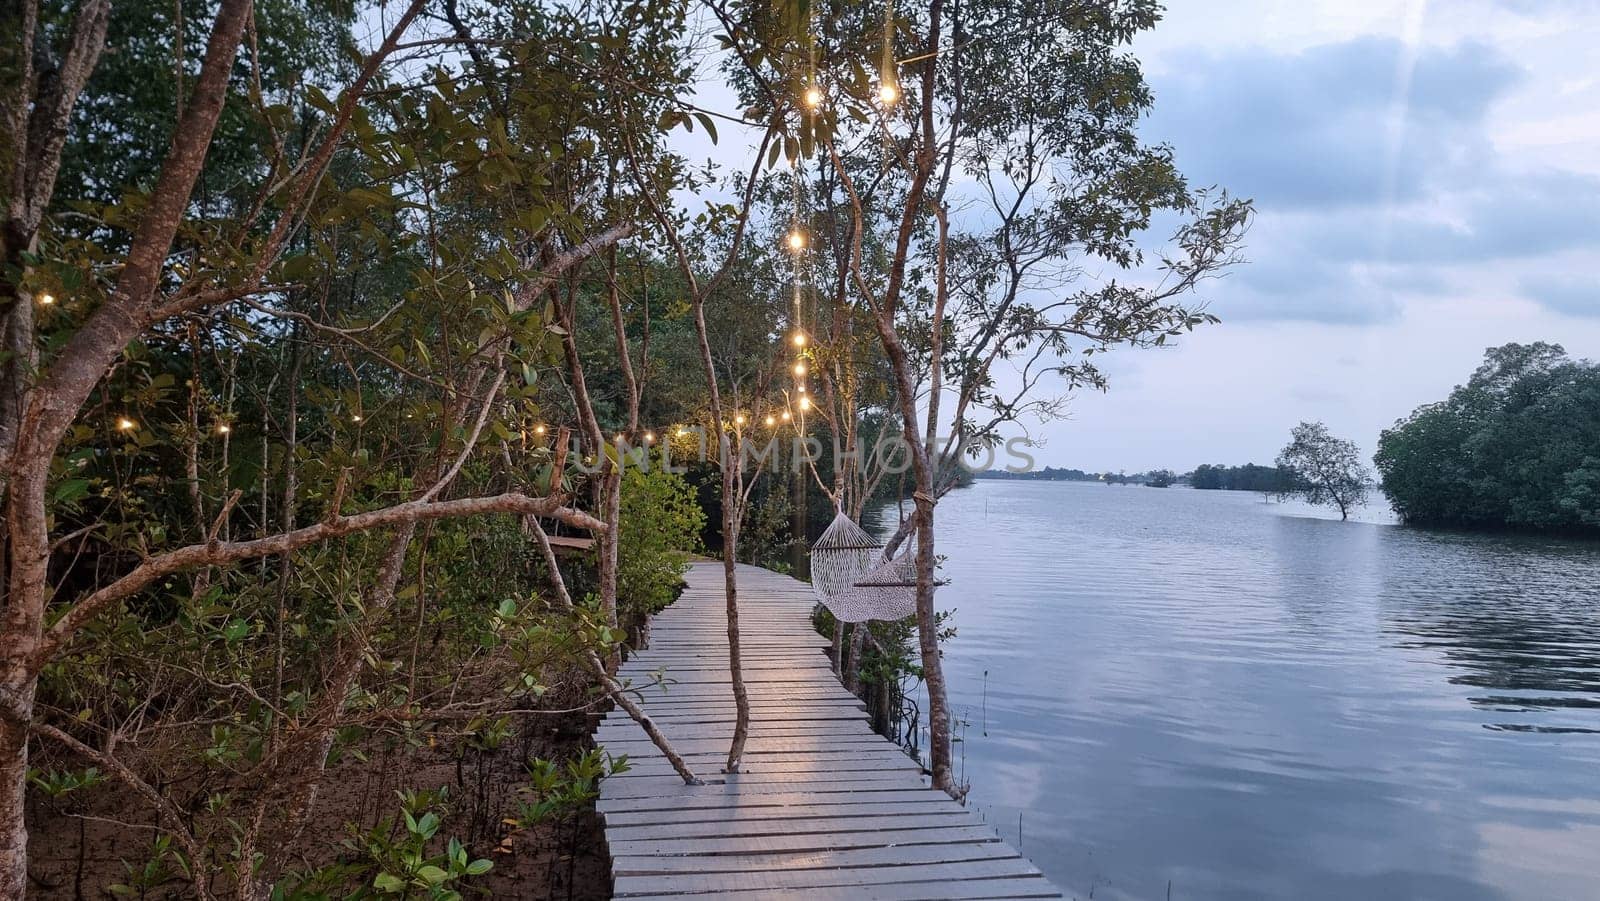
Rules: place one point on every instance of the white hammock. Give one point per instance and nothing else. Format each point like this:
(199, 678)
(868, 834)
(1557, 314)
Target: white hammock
(851, 578)
(840, 556)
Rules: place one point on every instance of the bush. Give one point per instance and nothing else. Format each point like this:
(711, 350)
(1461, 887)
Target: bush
(661, 523)
(1512, 448)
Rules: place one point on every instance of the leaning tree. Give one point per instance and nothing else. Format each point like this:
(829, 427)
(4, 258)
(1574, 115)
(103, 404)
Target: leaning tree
(1022, 115)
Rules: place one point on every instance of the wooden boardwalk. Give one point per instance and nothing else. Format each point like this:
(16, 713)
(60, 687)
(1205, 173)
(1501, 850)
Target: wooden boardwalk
(824, 808)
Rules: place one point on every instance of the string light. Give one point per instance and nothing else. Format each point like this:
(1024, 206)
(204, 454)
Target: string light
(813, 96)
(799, 339)
(805, 401)
(356, 417)
(539, 429)
(797, 240)
(125, 424)
(682, 431)
(649, 437)
(46, 299)
(738, 420)
(772, 421)
(888, 93)
(799, 369)
(223, 428)
(786, 416)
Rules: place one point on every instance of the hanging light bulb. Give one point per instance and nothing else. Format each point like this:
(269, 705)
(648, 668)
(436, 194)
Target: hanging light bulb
(786, 416)
(813, 97)
(799, 369)
(738, 420)
(124, 424)
(888, 87)
(805, 401)
(223, 428)
(772, 421)
(355, 417)
(799, 339)
(46, 299)
(797, 240)
(801, 388)
(539, 429)
(649, 437)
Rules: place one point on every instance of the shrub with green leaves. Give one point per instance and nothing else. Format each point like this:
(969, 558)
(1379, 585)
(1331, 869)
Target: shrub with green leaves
(661, 523)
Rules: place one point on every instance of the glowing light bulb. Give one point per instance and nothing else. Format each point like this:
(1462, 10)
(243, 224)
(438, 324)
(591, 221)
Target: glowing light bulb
(682, 432)
(799, 339)
(805, 401)
(772, 421)
(888, 92)
(799, 369)
(649, 437)
(797, 240)
(356, 417)
(620, 438)
(46, 299)
(786, 416)
(801, 388)
(126, 425)
(738, 420)
(538, 430)
(813, 96)
(224, 428)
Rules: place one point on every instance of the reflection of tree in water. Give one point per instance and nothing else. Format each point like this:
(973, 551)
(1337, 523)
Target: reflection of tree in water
(1518, 617)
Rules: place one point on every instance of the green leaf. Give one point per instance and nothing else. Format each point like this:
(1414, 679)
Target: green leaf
(428, 825)
(432, 875)
(236, 630)
(479, 867)
(71, 490)
(708, 125)
(388, 882)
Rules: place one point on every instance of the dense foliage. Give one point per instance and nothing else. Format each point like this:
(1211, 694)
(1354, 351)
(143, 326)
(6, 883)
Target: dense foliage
(661, 523)
(1517, 446)
(1249, 477)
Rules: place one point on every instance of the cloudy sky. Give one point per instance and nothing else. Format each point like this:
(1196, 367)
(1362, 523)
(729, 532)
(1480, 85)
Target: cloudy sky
(1427, 182)
(1427, 178)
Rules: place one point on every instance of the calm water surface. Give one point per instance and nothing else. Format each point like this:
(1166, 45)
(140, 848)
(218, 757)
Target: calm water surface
(1247, 701)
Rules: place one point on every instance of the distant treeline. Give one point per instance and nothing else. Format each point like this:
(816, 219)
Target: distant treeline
(1249, 477)
(1047, 474)
(1517, 446)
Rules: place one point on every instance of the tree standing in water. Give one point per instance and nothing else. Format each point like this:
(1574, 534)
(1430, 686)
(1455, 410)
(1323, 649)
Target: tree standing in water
(1324, 470)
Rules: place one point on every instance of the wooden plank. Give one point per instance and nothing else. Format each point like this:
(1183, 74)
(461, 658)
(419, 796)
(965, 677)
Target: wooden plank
(792, 826)
(1002, 868)
(758, 783)
(788, 861)
(883, 838)
(1019, 887)
(928, 809)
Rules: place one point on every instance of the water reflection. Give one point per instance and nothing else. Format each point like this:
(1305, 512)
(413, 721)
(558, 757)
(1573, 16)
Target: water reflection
(1197, 688)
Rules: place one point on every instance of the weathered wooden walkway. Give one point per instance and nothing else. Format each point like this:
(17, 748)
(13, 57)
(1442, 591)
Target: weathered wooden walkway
(824, 808)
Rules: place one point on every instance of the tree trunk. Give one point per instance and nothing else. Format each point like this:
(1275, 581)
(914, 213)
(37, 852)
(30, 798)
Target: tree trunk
(13, 801)
(932, 665)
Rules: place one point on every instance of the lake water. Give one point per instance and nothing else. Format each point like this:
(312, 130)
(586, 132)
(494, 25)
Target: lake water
(1241, 700)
